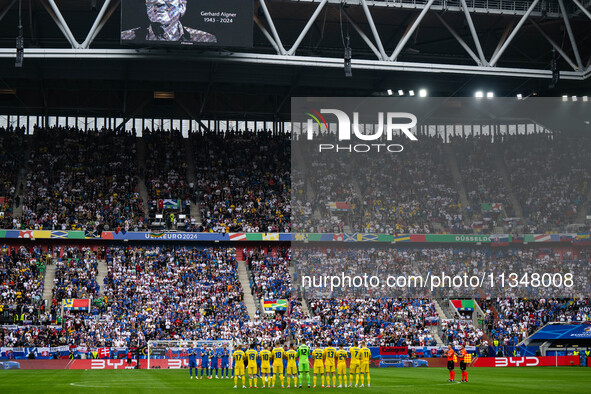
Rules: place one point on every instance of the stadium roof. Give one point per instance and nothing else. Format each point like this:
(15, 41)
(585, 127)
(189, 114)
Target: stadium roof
(413, 47)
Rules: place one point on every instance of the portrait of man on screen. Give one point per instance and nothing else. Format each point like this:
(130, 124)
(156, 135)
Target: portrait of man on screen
(165, 24)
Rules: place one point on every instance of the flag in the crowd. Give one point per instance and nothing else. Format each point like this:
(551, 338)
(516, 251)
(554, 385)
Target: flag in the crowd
(104, 352)
(402, 238)
(75, 304)
(463, 305)
(491, 207)
(582, 239)
(172, 204)
(275, 305)
(496, 207)
(499, 240)
(270, 236)
(339, 206)
(59, 234)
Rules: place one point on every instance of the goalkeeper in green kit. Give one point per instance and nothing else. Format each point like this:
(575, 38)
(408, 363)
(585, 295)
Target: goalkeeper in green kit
(304, 364)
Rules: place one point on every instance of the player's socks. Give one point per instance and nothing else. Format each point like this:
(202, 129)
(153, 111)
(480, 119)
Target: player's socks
(243, 381)
(362, 379)
(295, 381)
(356, 379)
(368, 379)
(340, 380)
(315, 380)
(322, 379)
(235, 380)
(453, 375)
(334, 380)
(308, 378)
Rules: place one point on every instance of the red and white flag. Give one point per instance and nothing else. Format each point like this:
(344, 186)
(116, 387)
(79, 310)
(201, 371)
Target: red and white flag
(104, 352)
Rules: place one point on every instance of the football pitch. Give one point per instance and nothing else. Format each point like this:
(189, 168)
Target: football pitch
(383, 380)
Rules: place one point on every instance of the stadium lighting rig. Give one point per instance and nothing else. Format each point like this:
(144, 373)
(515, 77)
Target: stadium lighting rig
(20, 51)
(348, 69)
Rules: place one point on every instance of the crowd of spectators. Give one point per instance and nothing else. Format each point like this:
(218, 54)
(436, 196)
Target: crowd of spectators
(166, 169)
(243, 179)
(458, 332)
(12, 147)
(75, 274)
(74, 179)
(270, 272)
(21, 284)
(410, 192)
(518, 318)
(551, 176)
(186, 293)
(477, 162)
(379, 321)
(77, 181)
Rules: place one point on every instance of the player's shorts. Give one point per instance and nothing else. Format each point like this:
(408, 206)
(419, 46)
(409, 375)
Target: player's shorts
(291, 369)
(252, 369)
(266, 369)
(341, 369)
(318, 368)
(225, 364)
(354, 368)
(364, 368)
(239, 370)
(330, 368)
(278, 369)
(214, 365)
(304, 367)
(204, 365)
(450, 365)
(192, 364)
(462, 365)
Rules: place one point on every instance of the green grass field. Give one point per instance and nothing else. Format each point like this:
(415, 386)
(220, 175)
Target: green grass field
(407, 380)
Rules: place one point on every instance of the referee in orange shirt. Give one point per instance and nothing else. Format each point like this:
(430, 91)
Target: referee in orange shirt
(465, 359)
(450, 363)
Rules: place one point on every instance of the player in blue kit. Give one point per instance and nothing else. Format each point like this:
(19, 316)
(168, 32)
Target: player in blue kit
(214, 363)
(192, 352)
(205, 362)
(225, 361)
(258, 362)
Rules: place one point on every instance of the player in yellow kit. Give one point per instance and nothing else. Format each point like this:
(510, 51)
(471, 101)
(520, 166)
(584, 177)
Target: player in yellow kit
(238, 356)
(278, 355)
(342, 365)
(365, 357)
(292, 368)
(251, 357)
(330, 356)
(318, 357)
(355, 353)
(265, 356)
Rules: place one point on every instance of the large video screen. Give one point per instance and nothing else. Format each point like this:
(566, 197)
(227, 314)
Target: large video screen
(225, 23)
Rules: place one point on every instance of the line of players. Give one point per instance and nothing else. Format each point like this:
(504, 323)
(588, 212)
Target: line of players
(327, 362)
(209, 362)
